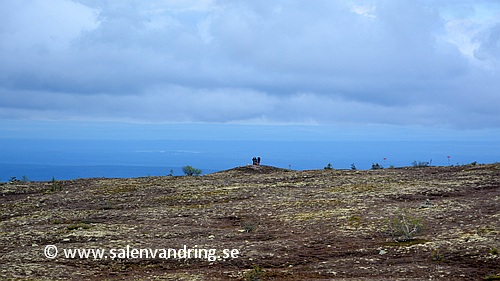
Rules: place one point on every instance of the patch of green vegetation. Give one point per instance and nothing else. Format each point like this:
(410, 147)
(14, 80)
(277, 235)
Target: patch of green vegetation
(485, 230)
(255, 274)
(355, 187)
(406, 243)
(249, 227)
(180, 198)
(196, 206)
(493, 277)
(494, 251)
(54, 186)
(120, 189)
(57, 221)
(80, 225)
(321, 215)
(437, 256)
(364, 187)
(313, 202)
(354, 218)
(215, 192)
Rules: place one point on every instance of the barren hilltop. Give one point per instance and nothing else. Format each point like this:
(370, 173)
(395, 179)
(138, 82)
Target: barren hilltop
(265, 223)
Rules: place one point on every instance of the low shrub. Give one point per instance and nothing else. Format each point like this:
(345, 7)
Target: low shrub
(255, 274)
(404, 227)
(55, 186)
(436, 255)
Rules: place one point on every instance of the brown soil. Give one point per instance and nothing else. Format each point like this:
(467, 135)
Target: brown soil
(286, 225)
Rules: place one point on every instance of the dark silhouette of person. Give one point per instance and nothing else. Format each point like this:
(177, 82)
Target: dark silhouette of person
(258, 160)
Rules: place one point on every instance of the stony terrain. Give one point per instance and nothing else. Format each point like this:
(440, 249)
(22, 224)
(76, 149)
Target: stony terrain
(285, 225)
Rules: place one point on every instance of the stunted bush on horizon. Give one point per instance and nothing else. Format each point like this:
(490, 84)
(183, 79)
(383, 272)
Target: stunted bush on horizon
(420, 164)
(190, 171)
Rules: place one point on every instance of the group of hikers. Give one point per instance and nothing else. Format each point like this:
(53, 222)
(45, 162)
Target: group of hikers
(256, 161)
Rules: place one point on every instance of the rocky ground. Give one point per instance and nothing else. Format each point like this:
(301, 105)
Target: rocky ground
(280, 225)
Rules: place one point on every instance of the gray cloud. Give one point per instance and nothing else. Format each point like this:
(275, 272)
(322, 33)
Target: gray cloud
(404, 62)
(489, 44)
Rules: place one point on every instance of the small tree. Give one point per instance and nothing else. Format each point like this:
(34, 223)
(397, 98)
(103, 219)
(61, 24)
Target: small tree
(55, 186)
(403, 226)
(190, 171)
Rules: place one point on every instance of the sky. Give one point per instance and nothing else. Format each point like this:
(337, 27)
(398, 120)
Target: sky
(356, 64)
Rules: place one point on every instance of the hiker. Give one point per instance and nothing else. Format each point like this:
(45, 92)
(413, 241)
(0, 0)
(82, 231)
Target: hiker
(254, 161)
(258, 160)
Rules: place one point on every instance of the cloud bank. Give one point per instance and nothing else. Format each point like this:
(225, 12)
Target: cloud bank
(323, 62)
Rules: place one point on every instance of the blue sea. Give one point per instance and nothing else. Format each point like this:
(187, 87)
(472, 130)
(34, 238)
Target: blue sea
(44, 159)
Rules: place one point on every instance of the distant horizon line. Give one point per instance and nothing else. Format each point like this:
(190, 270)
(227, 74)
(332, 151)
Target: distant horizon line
(213, 171)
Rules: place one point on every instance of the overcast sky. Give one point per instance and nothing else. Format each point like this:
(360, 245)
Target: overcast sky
(411, 63)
